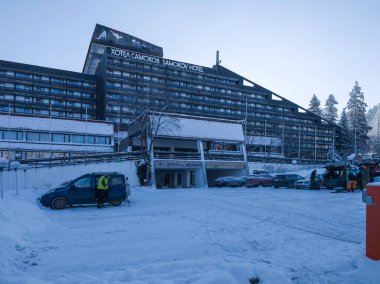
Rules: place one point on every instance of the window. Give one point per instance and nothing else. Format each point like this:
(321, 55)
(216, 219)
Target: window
(32, 136)
(24, 76)
(83, 183)
(58, 137)
(77, 138)
(100, 140)
(74, 83)
(86, 95)
(9, 73)
(90, 139)
(89, 85)
(118, 180)
(45, 137)
(9, 135)
(41, 90)
(58, 80)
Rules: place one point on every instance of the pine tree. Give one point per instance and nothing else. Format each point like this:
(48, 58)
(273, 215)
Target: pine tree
(357, 121)
(315, 105)
(330, 112)
(345, 147)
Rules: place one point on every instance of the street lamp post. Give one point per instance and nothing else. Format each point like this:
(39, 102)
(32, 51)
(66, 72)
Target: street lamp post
(118, 124)
(3, 164)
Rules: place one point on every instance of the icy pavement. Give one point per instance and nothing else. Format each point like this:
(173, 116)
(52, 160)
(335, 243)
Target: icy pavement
(189, 236)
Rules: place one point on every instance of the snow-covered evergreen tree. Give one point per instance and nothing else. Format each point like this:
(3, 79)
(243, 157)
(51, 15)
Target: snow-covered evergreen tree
(373, 118)
(356, 115)
(330, 112)
(315, 105)
(345, 148)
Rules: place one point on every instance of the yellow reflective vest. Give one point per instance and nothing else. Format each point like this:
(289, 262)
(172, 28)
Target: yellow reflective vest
(103, 182)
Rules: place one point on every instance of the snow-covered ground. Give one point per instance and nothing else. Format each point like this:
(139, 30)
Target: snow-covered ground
(189, 236)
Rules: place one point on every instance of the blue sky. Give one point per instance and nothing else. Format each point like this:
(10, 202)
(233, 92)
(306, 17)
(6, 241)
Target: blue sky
(294, 48)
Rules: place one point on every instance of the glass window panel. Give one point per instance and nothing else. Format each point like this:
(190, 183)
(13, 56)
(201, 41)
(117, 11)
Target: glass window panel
(32, 136)
(45, 137)
(78, 138)
(58, 137)
(83, 183)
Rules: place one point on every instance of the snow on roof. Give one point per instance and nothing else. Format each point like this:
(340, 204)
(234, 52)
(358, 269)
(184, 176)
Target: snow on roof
(186, 127)
(55, 124)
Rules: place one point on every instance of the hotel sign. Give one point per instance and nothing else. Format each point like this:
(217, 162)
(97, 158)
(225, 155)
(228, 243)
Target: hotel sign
(153, 59)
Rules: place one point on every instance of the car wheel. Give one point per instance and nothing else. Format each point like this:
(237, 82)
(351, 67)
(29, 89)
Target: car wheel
(59, 203)
(275, 186)
(116, 202)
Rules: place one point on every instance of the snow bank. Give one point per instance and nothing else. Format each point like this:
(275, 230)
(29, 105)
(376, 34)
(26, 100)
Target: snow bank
(189, 236)
(19, 217)
(284, 168)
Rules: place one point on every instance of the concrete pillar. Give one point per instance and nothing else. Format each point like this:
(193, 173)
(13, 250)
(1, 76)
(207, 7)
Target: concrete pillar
(242, 149)
(152, 166)
(204, 173)
(188, 178)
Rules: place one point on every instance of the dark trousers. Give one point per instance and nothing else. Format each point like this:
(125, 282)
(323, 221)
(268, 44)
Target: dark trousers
(101, 196)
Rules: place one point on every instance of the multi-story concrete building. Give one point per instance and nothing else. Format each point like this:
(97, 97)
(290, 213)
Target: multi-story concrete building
(124, 76)
(134, 76)
(36, 90)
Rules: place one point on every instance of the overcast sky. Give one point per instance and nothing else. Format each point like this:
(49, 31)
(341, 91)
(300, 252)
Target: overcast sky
(293, 48)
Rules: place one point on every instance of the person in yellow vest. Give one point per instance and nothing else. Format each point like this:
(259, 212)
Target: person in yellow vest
(101, 192)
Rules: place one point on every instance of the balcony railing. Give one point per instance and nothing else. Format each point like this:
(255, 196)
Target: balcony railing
(224, 155)
(166, 155)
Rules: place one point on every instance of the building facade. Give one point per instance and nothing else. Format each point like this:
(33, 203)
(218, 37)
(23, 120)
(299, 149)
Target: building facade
(135, 78)
(35, 90)
(189, 151)
(124, 76)
(26, 137)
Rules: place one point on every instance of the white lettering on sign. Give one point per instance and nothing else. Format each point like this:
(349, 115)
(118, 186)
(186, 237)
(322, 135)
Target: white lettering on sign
(156, 60)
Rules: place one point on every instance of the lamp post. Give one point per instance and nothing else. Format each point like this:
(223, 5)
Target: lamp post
(15, 165)
(25, 178)
(299, 142)
(3, 164)
(118, 124)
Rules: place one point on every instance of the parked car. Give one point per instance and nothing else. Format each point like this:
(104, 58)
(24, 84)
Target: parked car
(237, 181)
(222, 181)
(259, 180)
(258, 172)
(305, 183)
(82, 191)
(285, 180)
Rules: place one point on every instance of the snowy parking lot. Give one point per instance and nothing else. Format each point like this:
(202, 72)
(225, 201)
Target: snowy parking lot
(189, 236)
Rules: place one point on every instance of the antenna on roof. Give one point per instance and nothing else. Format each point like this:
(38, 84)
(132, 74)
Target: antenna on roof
(217, 58)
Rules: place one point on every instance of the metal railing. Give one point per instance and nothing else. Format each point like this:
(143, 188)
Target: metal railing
(165, 155)
(83, 159)
(224, 155)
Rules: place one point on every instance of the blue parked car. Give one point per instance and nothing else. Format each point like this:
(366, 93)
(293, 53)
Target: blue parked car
(82, 191)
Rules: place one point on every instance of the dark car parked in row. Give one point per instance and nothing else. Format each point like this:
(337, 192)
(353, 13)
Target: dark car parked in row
(259, 180)
(285, 180)
(222, 181)
(82, 191)
(236, 181)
